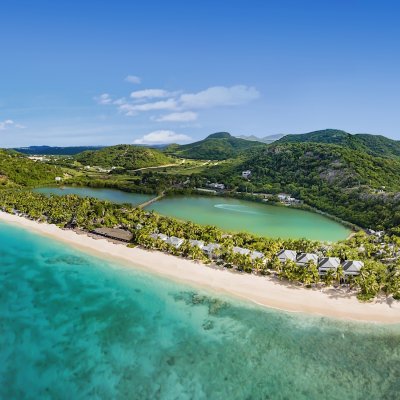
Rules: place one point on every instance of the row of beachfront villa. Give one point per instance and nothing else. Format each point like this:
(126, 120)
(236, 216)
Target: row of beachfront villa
(324, 264)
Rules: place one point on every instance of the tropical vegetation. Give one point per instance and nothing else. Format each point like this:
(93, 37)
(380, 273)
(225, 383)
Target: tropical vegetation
(88, 213)
(218, 146)
(125, 156)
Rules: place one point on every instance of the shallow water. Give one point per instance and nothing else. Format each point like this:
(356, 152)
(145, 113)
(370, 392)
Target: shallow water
(76, 327)
(116, 196)
(260, 219)
(225, 213)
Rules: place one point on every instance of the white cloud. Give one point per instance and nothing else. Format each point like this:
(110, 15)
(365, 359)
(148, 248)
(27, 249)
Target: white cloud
(133, 109)
(162, 137)
(133, 79)
(120, 102)
(178, 117)
(219, 96)
(9, 123)
(150, 94)
(180, 106)
(104, 98)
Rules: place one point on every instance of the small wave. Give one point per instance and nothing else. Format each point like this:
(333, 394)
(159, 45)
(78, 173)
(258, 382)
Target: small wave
(236, 208)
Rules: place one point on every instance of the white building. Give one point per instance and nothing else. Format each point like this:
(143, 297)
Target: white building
(246, 174)
(352, 267)
(304, 258)
(211, 248)
(198, 243)
(218, 186)
(241, 250)
(175, 241)
(328, 263)
(287, 255)
(256, 254)
(160, 236)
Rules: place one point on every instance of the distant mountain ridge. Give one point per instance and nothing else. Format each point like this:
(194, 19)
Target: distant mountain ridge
(218, 146)
(376, 145)
(266, 139)
(55, 150)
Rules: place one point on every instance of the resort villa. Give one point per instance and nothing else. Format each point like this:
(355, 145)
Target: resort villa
(160, 236)
(253, 254)
(211, 249)
(198, 243)
(246, 174)
(351, 267)
(287, 255)
(305, 258)
(328, 263)
(175, 241)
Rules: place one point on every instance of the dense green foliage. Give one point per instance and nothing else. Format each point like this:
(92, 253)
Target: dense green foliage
(125, 156)
(17, 169)
(349, 184)
(88, 213)
(55, 150)
(375, 145)
(218, 146)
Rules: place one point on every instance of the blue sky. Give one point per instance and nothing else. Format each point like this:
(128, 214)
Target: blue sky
(107, 72)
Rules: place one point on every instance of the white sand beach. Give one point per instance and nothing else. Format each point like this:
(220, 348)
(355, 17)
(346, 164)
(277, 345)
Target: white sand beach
(264, 291)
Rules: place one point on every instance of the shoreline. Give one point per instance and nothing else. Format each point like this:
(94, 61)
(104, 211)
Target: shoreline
(261, 290)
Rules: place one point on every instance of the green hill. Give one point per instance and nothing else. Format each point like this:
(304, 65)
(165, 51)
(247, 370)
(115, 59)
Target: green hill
(350, 184)
(125, 156)
(218, 146)
(17, 169)
(376, 145)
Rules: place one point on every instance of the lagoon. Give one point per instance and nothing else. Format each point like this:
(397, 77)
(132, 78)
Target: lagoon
(76, 326)
(257, 218)
(226, 213)
(113, 195)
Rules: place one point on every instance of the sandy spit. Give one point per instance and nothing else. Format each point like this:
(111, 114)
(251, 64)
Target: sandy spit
(264, 291)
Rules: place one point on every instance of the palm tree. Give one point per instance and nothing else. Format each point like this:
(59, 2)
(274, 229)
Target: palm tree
(329, 277)
(339, 274)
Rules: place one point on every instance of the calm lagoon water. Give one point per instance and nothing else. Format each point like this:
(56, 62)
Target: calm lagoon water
(228, 214)
(260, 219)
(116, 196)
(76, 327)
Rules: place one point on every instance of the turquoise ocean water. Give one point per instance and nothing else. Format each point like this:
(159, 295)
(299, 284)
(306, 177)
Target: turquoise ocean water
(76, 327)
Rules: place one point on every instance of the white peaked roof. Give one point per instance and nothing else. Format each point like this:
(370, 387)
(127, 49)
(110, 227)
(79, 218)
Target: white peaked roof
(175, 241)
(352, 267)
(284, 255)
(304, 258)
(256, 254)
(211, 247)
(241, 250)
(159, 236)
(198, 243)
(329, 263)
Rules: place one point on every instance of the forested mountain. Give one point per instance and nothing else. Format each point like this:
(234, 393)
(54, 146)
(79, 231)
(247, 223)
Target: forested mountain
(376, 145)
(17, 169)
(50, 150)
(266, 139)
(218, 146)
(125, 156)
(350, 184)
